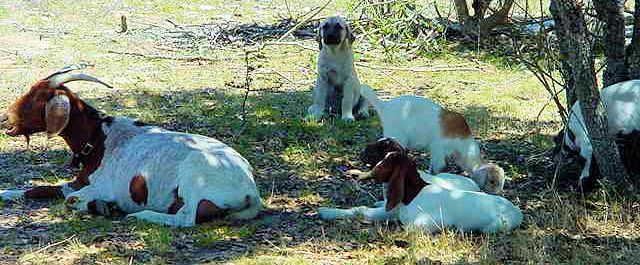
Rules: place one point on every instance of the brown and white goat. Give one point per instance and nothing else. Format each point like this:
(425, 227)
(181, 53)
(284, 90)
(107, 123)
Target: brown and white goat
(419, 123)
(419, 204)
(157, 175)
(489, 177)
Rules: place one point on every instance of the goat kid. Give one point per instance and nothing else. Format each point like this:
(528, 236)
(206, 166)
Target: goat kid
(417, 204)
(157, 175)
(419, 123)
(489, 177)
(621, 102)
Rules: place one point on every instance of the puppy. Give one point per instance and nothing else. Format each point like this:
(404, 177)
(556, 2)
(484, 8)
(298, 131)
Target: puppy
(337, 89)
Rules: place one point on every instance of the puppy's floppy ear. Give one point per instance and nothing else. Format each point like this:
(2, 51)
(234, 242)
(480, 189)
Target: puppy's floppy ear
(319, 36)
(396, 187)
(57, 112)
(350, 34)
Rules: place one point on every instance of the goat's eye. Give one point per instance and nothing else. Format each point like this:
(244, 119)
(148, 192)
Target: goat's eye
(325, 26)
(338, 26)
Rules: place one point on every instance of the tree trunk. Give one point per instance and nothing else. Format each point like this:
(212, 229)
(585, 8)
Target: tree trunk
(570, 21)
(462, 9)
(610, 11)
(478, 25)
(633, 51)
(565, 45)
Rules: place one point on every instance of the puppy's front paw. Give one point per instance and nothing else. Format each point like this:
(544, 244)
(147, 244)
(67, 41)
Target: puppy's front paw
(314, 113)
(348, 118)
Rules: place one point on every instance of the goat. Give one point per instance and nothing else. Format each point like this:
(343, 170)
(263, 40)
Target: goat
(156, 175)
(415, 203)
(419, 123)
(489, 177)
(621, 102)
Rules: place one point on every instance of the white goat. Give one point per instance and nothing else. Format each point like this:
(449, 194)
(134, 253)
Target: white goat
(622, 102)
(416, 203)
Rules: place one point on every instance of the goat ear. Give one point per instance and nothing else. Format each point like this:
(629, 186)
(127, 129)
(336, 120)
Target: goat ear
(396, 187)
(382, 171)
(57, 112)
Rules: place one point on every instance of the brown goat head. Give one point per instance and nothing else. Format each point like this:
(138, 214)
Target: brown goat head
(46, 107)
(376, 152)
(400, 173)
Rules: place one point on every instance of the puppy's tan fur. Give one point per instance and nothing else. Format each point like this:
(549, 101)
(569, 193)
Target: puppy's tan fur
(336, 74)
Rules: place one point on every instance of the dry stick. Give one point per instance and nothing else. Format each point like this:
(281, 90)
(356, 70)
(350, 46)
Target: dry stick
(304, 21)
(165, 57)
(123, 24)
(421, 69)
(9, 52)
(285, 43)
(53, 245)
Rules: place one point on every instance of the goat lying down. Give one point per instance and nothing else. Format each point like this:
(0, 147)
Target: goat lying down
(419, 123)
(418, 204)
(157, 175)
(622, 102)
(489, 177)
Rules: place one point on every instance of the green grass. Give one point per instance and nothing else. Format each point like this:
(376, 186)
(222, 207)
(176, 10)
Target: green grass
(298, 165)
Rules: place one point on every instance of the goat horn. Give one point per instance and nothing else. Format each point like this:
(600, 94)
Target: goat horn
(69, 68)
(58, 80)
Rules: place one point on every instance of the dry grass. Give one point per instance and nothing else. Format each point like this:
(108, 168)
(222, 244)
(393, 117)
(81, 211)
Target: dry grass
(298, 165)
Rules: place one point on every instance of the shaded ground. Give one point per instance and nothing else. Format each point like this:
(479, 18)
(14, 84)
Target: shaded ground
(298, 166)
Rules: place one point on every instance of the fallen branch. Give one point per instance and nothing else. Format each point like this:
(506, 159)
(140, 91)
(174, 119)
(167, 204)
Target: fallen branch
(421, 69)
(304, 21)
(165, 57)
(53, 245)
(284, 43)
(15, 53)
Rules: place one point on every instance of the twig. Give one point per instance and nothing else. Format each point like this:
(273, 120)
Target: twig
(285, 43)
(304, 21)
(9, 52)
(165, 57)
(420, 69)
(53, 245)
(123, 24)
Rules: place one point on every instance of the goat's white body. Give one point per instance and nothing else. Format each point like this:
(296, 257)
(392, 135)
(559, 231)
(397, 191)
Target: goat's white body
(450, 181)
(437, 208)
(446, 180)
(622, 102)
(415, 123)
(198, 166)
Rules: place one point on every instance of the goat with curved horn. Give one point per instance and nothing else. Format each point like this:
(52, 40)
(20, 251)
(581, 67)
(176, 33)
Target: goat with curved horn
(69, 68)
(60, 79)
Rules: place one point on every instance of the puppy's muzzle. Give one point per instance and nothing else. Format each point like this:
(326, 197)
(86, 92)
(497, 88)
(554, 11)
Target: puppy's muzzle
(332, 39)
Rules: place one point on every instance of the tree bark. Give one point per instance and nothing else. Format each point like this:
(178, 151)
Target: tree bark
(570, 21)
(610, 11)
(478, 24)
(462, 9)
(565, 45)
(633, 51)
